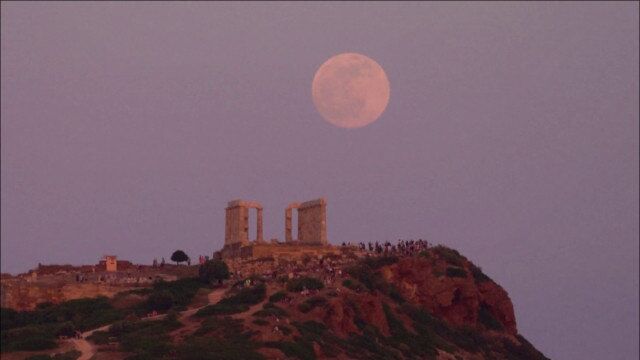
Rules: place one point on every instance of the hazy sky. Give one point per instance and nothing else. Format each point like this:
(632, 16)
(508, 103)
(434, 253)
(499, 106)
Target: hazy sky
(511, 135)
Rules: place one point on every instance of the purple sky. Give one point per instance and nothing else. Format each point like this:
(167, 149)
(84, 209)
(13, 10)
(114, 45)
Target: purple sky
(511, 135)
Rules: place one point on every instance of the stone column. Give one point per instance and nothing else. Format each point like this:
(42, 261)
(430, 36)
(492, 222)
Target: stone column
(287, 224)
(259, 236)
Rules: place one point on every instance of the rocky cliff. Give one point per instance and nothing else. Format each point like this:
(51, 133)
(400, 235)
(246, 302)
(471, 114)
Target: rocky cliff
(434, 305)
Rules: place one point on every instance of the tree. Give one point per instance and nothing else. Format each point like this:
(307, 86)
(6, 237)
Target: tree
(213, 270)
(179, 256)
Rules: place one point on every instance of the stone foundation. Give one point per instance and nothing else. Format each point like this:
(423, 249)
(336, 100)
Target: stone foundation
(289, 251)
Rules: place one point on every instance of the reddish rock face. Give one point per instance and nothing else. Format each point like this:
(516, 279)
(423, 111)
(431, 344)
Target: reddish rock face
(453, 295)
(456, 296)
(499, 304)
(371, 311)
(340, 318)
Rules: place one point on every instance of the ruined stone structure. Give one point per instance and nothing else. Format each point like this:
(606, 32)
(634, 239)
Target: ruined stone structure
(312, 222)
(111, 263)
(312, 229)
(237, 222)
(288, 214)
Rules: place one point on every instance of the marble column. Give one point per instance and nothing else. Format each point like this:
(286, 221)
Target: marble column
(259, 226)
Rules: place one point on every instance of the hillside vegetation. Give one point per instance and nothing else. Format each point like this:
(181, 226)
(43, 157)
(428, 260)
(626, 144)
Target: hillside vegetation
(431, 305)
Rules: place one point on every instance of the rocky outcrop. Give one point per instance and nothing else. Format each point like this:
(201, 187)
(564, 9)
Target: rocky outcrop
(436, 305)
(440, 281)
(452, 288)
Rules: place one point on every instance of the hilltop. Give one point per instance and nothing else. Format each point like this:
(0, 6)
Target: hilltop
(434, 304)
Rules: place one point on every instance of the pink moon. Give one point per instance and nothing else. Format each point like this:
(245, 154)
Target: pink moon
(350, 90)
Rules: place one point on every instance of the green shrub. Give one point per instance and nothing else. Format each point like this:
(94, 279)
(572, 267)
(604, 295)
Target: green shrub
(28, 338)
(247, 296)
(299, 284)
(200, 348)
(167, 295)
(297, 349)
(469, 339)
(10, 319)
(313, 329)
(84, 314)
(524, 350)
(478, 275)
(280, 295)
(370, 345)
(354, 285)
(269, 309)
(236, 303)
(213, 270)
(285, 329)
(396, 328)
(99, 337)
(451, 256)
(312, 303)
(394, 294)
(378, 262)
(487, 319)
(456, 272)
(364, 274)
(172, 315)
(145, 339)
(160, 301)
(219, 338)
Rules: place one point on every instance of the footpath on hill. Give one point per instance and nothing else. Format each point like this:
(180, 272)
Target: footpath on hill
(88, 350)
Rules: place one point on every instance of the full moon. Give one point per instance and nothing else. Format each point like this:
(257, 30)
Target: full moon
(350, 90)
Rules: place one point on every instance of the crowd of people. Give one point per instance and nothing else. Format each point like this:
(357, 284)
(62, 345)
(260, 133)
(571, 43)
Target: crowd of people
(401, 248)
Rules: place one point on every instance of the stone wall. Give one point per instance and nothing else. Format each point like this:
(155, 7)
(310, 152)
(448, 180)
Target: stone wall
(312, 222)
(290, 251)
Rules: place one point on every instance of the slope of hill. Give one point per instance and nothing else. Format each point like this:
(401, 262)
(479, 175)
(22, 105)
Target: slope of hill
(431, 305)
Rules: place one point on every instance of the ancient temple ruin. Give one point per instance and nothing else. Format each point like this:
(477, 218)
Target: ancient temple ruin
(237, 222)
(312, 230)
(312, 222)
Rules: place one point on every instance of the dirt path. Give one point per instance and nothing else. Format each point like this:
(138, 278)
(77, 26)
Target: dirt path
(191, 325)
(88, 350)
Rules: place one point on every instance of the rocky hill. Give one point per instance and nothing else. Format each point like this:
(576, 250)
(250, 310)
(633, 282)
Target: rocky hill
(431, 305)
